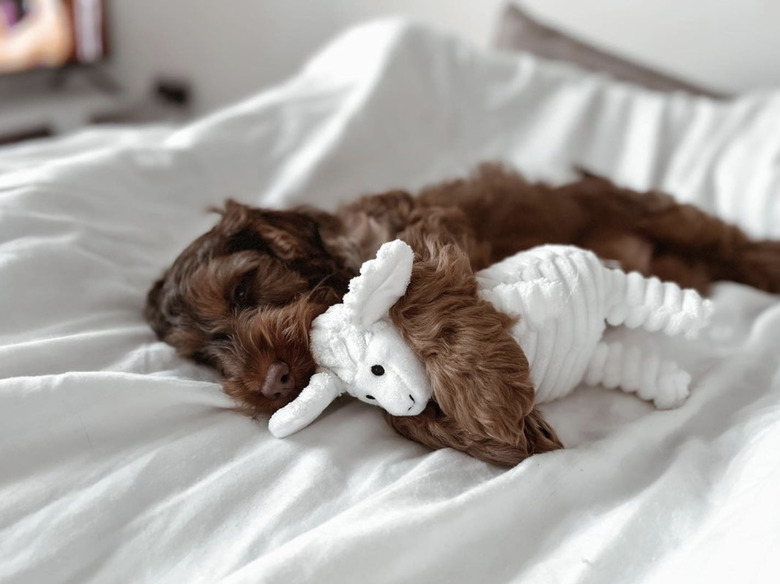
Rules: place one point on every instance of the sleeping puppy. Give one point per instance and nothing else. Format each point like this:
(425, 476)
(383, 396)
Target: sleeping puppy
(241, 297)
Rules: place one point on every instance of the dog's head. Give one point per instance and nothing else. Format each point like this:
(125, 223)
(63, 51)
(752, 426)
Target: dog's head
(241, 298)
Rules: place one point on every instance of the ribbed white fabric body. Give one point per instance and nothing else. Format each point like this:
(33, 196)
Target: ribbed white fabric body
(532, 285)
(565, 296)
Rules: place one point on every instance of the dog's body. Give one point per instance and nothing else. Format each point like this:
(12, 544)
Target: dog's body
(242, 296)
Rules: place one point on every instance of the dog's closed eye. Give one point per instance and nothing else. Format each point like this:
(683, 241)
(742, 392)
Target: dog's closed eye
(244, 292)
(221, 337)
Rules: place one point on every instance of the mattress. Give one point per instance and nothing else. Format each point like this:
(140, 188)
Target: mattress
(121, 462)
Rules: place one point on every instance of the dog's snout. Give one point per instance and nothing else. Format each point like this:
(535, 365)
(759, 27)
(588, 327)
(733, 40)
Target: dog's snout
(279, 382)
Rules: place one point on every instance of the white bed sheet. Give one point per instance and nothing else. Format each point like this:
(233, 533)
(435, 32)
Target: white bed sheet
(120, 462)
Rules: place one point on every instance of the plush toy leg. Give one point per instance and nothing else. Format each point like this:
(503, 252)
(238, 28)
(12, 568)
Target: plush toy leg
(323, 388)
(652, 378)
(636, 301)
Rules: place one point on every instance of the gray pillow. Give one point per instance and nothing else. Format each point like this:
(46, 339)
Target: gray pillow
(518, 31)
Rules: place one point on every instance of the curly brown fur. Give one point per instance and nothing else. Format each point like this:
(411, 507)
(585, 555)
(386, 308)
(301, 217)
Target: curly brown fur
(254, 262)
(231, 299)
(649, 232)
(434, 429)
(256, 340)
(479, 375)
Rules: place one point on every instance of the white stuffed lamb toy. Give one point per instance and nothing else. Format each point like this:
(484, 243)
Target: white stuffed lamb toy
(359, 351)
(564, 297)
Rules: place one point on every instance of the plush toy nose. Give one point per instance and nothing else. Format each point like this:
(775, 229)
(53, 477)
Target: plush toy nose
(279, 382)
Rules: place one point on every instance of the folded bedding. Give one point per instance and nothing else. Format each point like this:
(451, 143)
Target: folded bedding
(121, 462)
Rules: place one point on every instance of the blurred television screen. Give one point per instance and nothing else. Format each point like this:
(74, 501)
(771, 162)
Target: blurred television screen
(51, 33)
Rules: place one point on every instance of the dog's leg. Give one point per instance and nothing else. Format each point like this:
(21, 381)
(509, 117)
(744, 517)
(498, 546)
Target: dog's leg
(686, 244)
(647, 232)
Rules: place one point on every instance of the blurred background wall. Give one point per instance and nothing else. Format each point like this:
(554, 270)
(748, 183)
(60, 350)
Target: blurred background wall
(231, 48)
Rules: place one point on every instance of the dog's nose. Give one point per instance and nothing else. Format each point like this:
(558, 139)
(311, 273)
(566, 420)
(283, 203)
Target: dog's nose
(279, 382)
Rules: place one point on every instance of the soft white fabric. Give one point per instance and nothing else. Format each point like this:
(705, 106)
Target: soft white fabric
(358, 349)
(564, 298)
(121, 462)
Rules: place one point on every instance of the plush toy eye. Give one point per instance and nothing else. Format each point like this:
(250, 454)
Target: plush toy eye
(370, 396)
(378, 370)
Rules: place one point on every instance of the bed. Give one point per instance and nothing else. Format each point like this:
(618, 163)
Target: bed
(120, 462)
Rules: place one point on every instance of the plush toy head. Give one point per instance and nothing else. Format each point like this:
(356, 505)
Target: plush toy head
(359, 351)
(356, 341)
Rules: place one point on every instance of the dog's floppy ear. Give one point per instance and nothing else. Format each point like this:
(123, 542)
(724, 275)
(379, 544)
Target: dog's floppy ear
(382, 281)
(153, 310)
(290, 235)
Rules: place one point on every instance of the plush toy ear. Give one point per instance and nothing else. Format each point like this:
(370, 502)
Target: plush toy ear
(382, 281)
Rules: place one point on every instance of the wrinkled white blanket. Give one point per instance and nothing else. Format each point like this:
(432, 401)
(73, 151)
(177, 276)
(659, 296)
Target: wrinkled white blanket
(120, 462)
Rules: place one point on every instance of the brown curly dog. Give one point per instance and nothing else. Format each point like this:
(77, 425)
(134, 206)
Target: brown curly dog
(241, 297)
